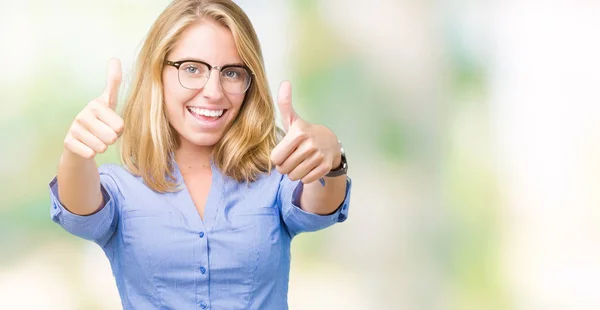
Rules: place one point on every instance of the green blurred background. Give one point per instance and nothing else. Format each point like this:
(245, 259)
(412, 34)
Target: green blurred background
(472, 131)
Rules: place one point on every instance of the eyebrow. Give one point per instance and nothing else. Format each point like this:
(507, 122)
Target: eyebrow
(200, 60)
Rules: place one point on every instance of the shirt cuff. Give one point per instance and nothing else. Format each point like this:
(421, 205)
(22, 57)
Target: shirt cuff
(299, 220)
(93, 227)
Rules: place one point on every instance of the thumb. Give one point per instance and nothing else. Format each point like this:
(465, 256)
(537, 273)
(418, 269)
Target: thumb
(284, 99)
(113, 83)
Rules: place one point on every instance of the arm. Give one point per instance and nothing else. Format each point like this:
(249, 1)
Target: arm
(300, 214)
(79, 184)
(95, 128)
(307, 153)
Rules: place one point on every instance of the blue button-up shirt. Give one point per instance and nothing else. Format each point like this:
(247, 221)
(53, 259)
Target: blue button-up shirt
(164, 256)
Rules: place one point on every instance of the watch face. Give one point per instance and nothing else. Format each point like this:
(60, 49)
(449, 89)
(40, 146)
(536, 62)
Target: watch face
(344, 166)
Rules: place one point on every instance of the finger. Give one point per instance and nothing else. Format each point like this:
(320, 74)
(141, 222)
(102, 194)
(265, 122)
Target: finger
(87, 138)
(78, 147)
(108, 117)
(303, 152)
(317, 173)
(286, 147)
(113, 83)
(305, 167)
(284, 99)
(99, 130)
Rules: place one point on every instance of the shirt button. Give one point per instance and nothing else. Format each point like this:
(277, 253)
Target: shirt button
(202, 269)
(203, 305)
(201, 234)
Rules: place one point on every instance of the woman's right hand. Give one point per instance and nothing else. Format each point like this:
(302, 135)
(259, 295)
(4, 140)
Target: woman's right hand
(98, 125)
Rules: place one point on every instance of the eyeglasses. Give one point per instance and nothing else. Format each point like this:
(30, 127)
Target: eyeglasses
(194, 74)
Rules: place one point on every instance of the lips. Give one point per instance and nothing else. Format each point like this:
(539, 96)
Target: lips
(206, 114)
(207, 119)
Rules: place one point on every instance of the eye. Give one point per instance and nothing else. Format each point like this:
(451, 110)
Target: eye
(191, 69)
(232, 73)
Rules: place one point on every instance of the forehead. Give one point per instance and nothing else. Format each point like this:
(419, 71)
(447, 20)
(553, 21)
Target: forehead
(208, 41)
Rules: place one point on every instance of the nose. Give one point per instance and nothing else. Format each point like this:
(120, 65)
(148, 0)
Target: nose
(213, 90)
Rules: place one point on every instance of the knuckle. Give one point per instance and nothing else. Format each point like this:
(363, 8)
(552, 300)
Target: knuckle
(113, 138)
(119, 125)
(275, 158)
(93, 107)
(68, 143)
(311, 147)
(79, 118)
(320, 156)
(83, 117)
(74, 130)
(293, 177)
(78, 131)
(102, 148)
(88, 155)
(301, 135)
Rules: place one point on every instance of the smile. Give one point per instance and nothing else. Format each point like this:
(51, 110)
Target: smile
(206, 112)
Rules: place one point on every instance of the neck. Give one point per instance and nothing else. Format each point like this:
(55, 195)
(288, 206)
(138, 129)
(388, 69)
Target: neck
(191, 158)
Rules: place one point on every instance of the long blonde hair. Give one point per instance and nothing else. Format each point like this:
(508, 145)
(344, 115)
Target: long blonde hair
(149, 141)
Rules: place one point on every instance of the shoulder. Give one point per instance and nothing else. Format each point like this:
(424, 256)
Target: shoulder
(266, 184)
(121, 178)
(115, 172)
(269, 179)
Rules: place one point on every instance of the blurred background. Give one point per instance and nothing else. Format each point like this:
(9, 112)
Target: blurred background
(472, 130)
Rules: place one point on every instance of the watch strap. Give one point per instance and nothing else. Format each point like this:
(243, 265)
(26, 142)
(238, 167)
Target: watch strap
(343, 168)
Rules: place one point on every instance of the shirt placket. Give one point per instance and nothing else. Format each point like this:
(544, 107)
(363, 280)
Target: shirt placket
(202, 271)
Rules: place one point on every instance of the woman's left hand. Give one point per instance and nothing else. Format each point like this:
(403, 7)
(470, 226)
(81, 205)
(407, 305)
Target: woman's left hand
(308, 151)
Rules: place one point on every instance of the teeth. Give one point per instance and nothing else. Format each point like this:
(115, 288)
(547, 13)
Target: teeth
(206, 112)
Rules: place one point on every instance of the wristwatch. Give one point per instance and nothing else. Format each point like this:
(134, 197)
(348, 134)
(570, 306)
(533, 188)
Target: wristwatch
(343, 168)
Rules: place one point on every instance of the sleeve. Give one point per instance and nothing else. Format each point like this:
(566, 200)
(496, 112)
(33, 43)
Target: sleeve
(299, 221)
(98, 227)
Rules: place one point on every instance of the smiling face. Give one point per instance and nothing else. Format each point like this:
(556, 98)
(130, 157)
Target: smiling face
(201, 116)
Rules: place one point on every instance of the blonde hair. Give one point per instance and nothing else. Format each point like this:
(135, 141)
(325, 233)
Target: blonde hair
(149, 141)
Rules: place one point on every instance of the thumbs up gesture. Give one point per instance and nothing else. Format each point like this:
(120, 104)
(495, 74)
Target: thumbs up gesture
(98, 125)
(308, 151)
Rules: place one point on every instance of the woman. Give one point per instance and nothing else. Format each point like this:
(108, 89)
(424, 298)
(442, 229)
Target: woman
(210, 196)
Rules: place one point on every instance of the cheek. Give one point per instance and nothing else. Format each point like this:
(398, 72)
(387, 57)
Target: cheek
(174, 97)
(169, 84)
(236, 102)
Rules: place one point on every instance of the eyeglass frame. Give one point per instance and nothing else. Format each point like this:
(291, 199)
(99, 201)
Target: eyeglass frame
(178, 63)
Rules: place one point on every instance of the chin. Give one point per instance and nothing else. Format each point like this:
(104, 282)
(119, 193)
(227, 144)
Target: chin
(203, 139)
